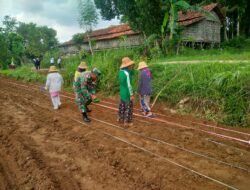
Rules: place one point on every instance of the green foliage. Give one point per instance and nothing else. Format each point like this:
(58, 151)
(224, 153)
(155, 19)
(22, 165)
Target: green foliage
(49, 54)
(225, 87)
(78, 38)
(16, 47)
(4, 53)
(88, 16)
(239, 42)
(224, 53)
(9, 25)
(38, 39)
(143, 15)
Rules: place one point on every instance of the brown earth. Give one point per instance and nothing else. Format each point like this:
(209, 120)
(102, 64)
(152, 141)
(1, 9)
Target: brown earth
(45, 149)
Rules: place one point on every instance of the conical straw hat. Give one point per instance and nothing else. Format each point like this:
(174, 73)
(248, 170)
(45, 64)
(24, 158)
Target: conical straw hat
(142, 65)
(83, 65)
(53, 69)
(126, 62)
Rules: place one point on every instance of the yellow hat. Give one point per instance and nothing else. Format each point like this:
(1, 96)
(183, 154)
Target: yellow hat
(126, 62)
(83, 65)
(142, 65)
(53, 69)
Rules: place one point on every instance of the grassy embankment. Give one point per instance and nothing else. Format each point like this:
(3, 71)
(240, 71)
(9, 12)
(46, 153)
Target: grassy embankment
(220, 92)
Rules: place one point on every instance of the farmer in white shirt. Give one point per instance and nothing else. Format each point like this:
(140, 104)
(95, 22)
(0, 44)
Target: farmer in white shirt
(53, 84)
(59, 61)
(52, 61)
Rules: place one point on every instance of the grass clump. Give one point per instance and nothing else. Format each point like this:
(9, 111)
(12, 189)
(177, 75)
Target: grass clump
(24, 73)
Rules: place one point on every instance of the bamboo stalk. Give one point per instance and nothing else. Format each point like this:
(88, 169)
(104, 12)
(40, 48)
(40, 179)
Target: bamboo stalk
(164, 87)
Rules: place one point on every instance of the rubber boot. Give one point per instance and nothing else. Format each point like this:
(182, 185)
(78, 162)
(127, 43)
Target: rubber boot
(88, 110)
(85, 117)
(88, 102)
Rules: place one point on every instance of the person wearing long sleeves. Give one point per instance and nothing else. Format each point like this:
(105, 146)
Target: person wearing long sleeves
(54, 84)
(125, 113)
(145, 88)
(80, 69)
(85, 90)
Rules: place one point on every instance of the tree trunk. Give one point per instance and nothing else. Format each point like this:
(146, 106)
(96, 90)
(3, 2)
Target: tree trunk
(238, 25)
(225, 31)
(90, 45)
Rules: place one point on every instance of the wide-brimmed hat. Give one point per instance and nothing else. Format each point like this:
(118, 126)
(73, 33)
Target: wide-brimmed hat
(126, 62)
(83, 65)
(142, 65)
(53, 69)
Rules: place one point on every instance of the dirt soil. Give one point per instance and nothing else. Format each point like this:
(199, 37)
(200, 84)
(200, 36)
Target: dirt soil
(45, 149)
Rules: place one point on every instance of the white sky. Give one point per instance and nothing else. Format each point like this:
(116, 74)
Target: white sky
(60, 15)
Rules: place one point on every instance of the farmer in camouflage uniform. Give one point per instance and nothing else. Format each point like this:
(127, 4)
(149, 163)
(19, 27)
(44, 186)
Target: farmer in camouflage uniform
(85, 89)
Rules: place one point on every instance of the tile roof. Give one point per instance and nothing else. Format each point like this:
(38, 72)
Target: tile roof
(68, 43)
(191, 17)
(112, 32)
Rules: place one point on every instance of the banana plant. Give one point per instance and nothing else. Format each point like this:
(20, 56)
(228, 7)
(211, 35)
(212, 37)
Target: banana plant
(170, 21)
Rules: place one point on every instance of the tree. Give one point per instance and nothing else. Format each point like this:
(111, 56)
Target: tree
(144, 15)
(15, 47)
(4, 53)
(10, 42)
(88, 17)
(172, 7)
(10, 24)
(78, 39)
(37, 39)
(236, 13)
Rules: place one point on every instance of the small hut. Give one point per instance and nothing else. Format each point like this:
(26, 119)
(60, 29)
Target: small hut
(202, 28)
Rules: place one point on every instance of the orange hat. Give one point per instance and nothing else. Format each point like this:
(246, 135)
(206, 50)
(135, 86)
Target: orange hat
(126, 62)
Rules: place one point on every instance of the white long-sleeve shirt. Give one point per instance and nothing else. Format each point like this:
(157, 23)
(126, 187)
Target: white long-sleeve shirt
(54, 82)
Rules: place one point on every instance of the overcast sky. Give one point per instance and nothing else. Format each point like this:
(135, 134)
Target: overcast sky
(60, 15)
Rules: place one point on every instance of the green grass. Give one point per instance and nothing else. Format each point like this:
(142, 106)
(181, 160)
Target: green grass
(24, 73)
(211, 54)
(222, 90)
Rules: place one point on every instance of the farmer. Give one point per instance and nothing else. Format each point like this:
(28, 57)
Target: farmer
(125, 114)
(53, 84)
(38, 63)
(59, 62)
(145, 88)
(84, 87)
(52, 61)
(35, 63)
(12, 66)
(93, 85)
(81, 68)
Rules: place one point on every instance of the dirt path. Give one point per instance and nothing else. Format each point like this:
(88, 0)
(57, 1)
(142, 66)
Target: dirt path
(44, 149)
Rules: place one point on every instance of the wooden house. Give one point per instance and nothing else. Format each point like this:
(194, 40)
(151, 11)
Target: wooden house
(202, 27)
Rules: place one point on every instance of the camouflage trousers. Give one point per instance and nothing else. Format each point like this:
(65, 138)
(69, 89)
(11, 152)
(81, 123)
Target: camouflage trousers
(83, 102)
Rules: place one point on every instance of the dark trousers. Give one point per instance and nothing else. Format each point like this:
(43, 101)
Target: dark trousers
(125, 112)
